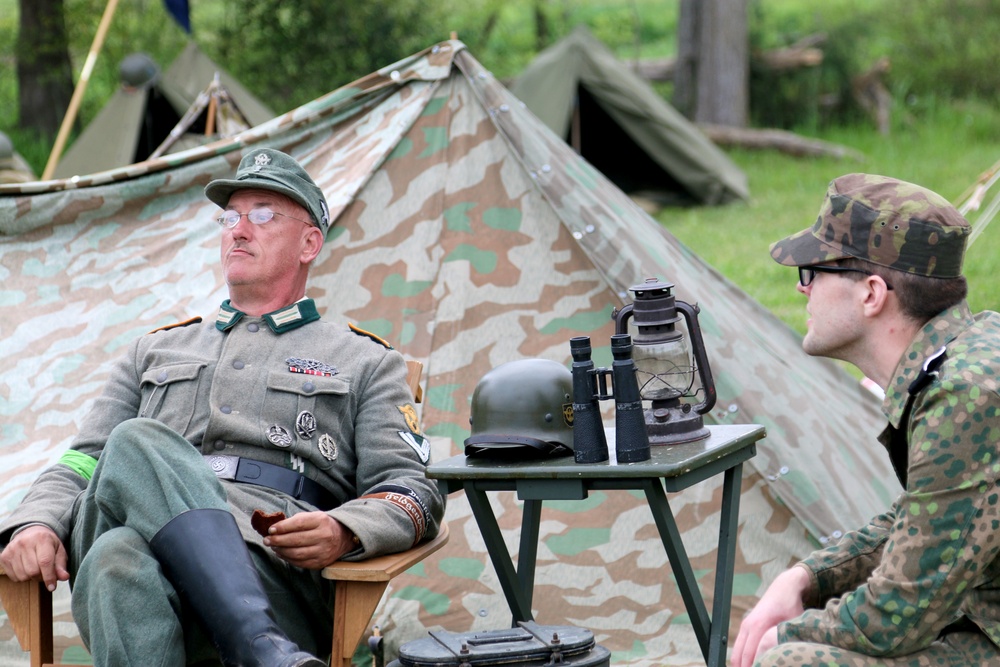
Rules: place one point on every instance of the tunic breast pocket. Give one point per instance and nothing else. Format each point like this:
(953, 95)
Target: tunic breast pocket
(170, 394)
(309, 415)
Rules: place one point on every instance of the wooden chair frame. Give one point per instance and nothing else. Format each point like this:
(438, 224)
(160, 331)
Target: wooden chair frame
(359, 586)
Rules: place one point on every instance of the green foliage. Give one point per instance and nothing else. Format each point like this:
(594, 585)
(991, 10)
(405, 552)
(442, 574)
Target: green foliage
(937, 49)
(293, 51)
(813, 97)
(945, 48)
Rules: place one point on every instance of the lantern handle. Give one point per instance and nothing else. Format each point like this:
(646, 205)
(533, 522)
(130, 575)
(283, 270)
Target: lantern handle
(621, 318)
(701, 357)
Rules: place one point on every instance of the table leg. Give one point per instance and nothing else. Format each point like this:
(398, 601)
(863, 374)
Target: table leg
(725, 564)
(520, 606)
(679, 563)
(531, 519)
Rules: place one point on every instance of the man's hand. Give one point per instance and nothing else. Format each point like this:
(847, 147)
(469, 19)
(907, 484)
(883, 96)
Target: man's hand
(36, 553)
(759, 629)
(311, 540)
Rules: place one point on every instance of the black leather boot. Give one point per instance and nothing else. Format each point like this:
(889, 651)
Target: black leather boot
(203, 555)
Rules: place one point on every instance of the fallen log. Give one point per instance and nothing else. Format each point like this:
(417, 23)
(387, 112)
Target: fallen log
(803, 53)
(779, 140)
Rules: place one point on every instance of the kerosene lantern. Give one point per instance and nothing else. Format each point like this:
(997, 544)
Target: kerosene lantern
(666, 369)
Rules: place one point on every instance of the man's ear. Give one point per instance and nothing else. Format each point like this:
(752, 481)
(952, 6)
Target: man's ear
(876, 295)
(312, 243)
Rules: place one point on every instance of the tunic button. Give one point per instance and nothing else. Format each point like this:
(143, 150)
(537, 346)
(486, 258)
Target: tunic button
(226, 409)
(253, 327)
(238, 365)
(308, 387)
(162, 377)
(219, 445)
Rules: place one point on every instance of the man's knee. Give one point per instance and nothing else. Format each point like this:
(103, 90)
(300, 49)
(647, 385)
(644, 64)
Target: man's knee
(139, 437)
(799, 654)
(118, 554)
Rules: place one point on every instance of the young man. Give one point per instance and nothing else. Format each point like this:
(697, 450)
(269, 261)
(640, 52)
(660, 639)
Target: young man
(920, 585)
(266, 407)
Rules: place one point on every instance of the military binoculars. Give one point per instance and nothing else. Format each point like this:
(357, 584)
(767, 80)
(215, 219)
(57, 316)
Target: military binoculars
(590, 387)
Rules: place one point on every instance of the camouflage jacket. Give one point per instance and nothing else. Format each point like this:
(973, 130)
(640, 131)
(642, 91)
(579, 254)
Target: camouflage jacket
(891, 587)
(288, 389)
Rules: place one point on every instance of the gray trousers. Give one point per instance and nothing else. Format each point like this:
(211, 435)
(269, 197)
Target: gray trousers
(128, 613)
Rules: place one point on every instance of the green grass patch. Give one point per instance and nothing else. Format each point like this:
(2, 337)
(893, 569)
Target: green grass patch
(945, 148)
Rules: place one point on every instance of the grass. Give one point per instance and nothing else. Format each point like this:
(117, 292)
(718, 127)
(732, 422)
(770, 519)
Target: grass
(945, 148)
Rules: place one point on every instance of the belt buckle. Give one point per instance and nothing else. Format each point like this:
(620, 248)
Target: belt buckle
(224, 466)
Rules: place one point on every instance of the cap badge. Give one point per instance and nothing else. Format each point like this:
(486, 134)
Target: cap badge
(326, 214)
(262, 160)
(327, 447)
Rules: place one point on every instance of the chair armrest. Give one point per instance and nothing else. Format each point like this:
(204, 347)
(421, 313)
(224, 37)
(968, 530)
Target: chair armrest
(384, 568)
(29, 609)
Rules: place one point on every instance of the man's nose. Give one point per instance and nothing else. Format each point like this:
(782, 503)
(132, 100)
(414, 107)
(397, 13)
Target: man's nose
(243, 228)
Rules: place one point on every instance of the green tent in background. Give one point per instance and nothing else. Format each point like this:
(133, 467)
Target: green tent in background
(143, 112)
(618, 123)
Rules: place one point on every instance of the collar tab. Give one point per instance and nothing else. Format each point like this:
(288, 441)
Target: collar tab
(284, 319)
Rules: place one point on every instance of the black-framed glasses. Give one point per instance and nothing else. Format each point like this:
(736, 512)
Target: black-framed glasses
(808, 273)
(258, 216)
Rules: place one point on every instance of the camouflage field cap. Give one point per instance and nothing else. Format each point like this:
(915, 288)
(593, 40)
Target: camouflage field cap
(886, 221)
(269, 169)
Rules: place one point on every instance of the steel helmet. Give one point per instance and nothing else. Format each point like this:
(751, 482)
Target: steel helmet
(523, 408)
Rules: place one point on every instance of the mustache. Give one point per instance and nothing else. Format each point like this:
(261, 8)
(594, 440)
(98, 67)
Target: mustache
(239, 245)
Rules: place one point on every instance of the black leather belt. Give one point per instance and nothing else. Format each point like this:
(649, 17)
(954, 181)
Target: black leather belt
(296, 485)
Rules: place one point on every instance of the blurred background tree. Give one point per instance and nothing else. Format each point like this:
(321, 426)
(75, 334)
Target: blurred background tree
(43, 63)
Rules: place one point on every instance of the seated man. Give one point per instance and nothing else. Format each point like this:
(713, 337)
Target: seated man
(919, 586)
(266, 407)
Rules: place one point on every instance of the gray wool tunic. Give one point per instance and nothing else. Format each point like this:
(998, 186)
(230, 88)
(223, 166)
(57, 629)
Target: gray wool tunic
(287, 389)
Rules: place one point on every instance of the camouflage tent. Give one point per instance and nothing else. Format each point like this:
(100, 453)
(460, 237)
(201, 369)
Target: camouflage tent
(615, 119)
(470, 235)
(144, 110)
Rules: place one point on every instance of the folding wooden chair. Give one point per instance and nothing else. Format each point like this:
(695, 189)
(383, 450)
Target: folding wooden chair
(359, 588)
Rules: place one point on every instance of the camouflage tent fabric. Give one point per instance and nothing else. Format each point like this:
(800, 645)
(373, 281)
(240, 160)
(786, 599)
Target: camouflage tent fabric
(469, 234)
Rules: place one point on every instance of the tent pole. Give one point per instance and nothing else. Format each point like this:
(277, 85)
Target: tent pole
(212, 104)
(575, 131)
(81, 86)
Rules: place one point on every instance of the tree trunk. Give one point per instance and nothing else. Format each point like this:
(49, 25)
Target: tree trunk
(685, 72)
(723, 72)
(712, 78)
(44, 71)
(541, 25)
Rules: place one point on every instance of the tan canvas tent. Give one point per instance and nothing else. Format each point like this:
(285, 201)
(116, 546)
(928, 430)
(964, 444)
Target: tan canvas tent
(468, 234)
(615, 119)
(137, 119)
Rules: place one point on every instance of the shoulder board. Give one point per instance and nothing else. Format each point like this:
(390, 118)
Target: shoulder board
(193, 320)
(369, 334)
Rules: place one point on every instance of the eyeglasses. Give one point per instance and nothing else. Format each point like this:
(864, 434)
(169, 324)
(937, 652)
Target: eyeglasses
(808, 273)
(258, 216)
